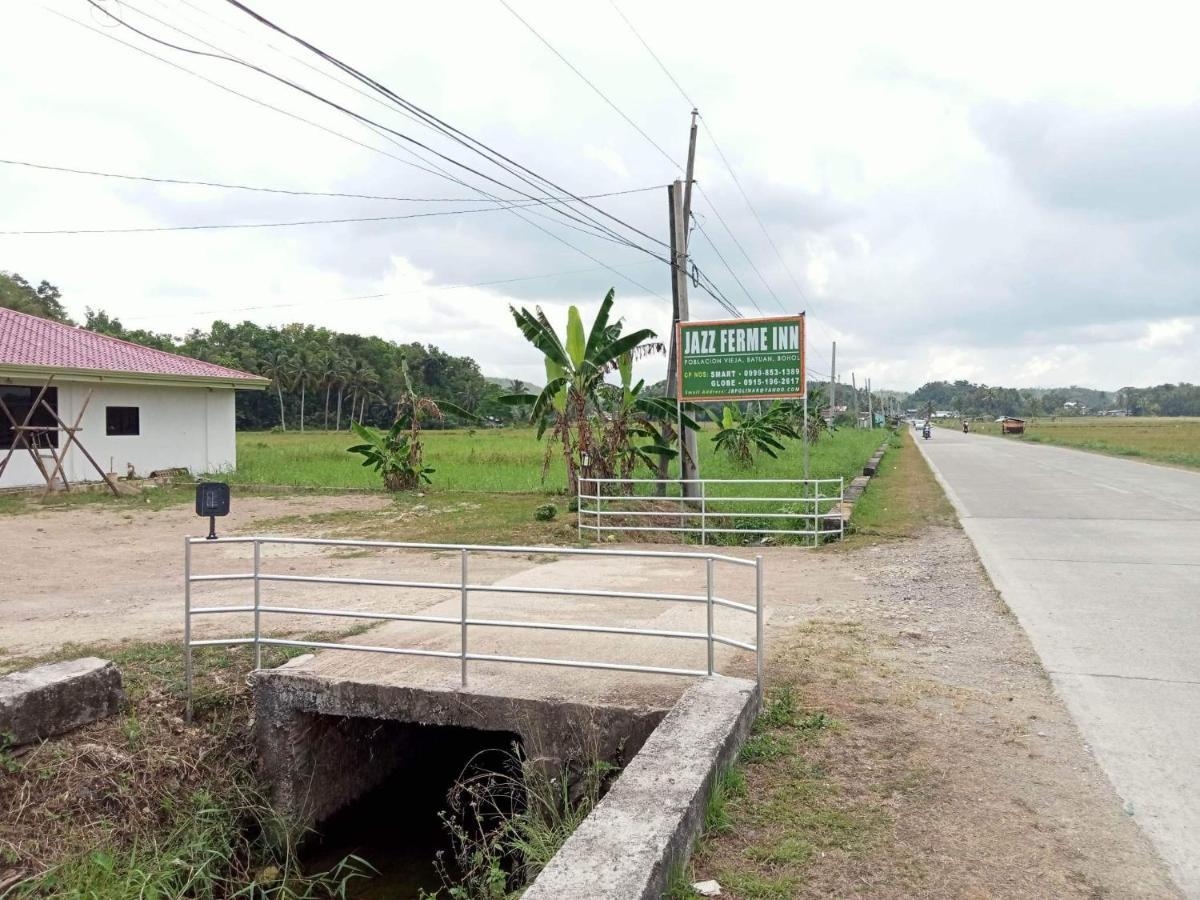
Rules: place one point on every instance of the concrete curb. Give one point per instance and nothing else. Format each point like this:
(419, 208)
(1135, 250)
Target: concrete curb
(647, 824)
(859, 484)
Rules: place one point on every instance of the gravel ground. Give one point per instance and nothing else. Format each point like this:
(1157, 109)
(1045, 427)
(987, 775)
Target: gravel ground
(953, 770)
(1020, 806)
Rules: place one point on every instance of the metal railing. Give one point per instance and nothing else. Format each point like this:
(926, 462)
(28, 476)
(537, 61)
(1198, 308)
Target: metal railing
(820, 504)
(463, 619)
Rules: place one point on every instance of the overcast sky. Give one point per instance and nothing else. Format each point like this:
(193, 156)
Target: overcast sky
(1008, 194)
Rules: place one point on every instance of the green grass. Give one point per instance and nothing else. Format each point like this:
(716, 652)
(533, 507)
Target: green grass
(901, 499)
(1175, 441)
(504, 459)
(141, 806)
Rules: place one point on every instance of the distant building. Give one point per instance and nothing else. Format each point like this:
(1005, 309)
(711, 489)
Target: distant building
(148, 409)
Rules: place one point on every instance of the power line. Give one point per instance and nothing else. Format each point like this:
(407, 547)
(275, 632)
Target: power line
(139, 229)
(661, 65)
(461, 138)
(728, 167)
(757, 218)
(376, 126)
(738, 244)
(436, 171)
(439, 171)
(455, 134)
(300, 193)
(603, 96)
(700, 226)
(714, 292)
(366, 120)
(437, 287)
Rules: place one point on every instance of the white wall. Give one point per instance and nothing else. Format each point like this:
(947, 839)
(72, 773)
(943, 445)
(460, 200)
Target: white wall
(188, 427)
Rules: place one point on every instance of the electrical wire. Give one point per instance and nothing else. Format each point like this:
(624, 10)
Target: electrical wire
(455, 134)
(757, 218)
(654, 55)
(420, 290)
(603, 96)
(367, 120)
(733, 275)
(300, 193)
(608, 100)
(378, 126)
(728, 166)
(140, 229)
(436, 170)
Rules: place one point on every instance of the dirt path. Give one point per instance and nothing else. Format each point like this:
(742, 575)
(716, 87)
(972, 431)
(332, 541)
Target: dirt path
(949, 767)
(92, 575)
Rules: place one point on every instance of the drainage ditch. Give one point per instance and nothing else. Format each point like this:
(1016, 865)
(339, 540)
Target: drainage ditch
(396, 826)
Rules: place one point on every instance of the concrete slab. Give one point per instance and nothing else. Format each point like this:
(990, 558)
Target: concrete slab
(589, 686)
(1099, 558)
(47, 700)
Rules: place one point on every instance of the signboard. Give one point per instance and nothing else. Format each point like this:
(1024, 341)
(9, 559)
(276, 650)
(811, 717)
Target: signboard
(741, 359)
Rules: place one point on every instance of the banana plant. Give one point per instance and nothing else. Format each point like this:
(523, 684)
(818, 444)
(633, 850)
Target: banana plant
(739, 435)
(398, 453)
(636, 429)
(575, 368)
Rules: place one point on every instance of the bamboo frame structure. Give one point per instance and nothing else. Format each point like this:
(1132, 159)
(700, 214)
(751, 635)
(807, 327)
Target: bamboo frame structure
(26, 435)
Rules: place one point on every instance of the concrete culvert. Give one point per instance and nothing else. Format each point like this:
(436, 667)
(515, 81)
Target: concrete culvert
(396, 825)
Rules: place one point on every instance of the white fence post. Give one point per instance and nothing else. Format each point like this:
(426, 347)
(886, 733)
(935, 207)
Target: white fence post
(187, 628)
(257, 604)
(759, 651)
(463, 615)
(709, 573)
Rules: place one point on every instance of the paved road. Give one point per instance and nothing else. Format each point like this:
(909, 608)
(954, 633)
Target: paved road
(1099, 558)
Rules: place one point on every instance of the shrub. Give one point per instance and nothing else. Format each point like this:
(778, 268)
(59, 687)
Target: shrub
(545, 512)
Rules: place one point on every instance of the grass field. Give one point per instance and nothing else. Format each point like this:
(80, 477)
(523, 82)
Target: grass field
(1167, 440)
(503, 460)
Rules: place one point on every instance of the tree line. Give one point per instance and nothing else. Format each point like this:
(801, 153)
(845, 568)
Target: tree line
(969, 399)
(319, 378)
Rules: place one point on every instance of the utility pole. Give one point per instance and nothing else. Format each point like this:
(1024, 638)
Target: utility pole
(870, 407)
(854, 397)
(679, 197)
(833, 384)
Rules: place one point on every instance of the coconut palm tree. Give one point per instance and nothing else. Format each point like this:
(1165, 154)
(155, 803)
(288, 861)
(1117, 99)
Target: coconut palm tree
(328, 365)
(277, 366)
(304, 369)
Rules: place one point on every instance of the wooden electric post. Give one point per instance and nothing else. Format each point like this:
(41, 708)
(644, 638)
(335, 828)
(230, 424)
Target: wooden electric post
(679, 197)
(833, 384)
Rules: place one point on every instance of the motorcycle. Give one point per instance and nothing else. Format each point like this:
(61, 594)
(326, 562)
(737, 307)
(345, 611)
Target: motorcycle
(926, 432)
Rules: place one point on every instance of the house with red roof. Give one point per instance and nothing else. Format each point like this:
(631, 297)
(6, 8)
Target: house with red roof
(145, 410)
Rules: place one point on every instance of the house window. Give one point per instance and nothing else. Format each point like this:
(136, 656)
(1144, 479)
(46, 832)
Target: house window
(19, 399)
(120, 420)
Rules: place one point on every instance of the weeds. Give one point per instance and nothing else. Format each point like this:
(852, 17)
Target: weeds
(507, 820)
(140, 806)
(729, 784)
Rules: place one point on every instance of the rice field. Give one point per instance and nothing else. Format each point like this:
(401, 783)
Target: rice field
(504, 460)
(1167, 440)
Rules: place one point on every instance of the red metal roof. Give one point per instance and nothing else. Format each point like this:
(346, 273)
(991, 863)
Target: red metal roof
(27, 340)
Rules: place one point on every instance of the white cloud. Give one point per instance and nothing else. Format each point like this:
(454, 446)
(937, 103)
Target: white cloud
(948, 213)
(1168, 333)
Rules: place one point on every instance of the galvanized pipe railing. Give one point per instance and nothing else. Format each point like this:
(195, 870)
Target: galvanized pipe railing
(697, 521)
(463, 620)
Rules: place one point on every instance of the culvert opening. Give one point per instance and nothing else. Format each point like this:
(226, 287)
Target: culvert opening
(397, 825)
